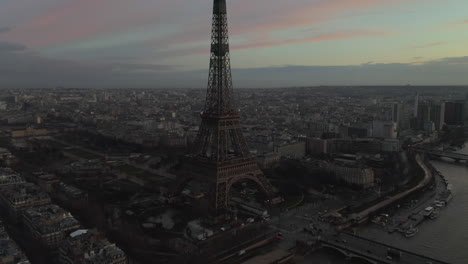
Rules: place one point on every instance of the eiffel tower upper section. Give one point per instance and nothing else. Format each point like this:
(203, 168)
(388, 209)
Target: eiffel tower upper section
(220, 137)
(219, 98)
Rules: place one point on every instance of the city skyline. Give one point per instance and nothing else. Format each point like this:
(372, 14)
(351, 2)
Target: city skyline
(164, 44)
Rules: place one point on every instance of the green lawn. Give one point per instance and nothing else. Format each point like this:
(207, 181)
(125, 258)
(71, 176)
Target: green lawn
(54, 144)
(137, 172)
(291, 201)
(83, 153)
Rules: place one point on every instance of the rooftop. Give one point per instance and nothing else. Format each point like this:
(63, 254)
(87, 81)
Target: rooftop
(9, 249)
(23, 192)
(69, 189)
(8, 176)
(92, 245)
(50, 218)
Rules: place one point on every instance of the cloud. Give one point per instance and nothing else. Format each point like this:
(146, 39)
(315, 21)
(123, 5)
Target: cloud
(16, 12)
(278, 15)
(465, 22)
(246, 45)
(133, 67)
(166, 23)
(429, 45)
(28, 69)
(447, 71)
(81, 20)
(319, 38)
(4, 29)
(11, 47)
(450, 61)
(257, 21)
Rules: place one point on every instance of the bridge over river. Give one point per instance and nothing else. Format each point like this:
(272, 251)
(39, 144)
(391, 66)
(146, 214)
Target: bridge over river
(444, 154)
(353, 246)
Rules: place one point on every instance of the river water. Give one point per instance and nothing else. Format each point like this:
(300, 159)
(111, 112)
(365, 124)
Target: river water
(445, 238)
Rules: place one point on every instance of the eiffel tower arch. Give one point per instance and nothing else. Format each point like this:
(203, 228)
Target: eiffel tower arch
(220, 151)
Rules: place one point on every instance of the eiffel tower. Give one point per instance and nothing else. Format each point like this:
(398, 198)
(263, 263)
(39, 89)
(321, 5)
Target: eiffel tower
(220, 148)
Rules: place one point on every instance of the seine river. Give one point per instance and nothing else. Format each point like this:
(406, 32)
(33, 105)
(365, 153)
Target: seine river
(445, 238)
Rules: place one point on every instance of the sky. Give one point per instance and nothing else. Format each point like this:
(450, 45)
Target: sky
(274, 43)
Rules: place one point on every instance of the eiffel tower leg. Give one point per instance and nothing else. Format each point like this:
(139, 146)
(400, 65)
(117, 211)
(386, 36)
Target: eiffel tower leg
(219, 204)
(221, 196)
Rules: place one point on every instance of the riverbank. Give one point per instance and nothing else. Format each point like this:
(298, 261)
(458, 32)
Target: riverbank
(427, 207)
(445, 237)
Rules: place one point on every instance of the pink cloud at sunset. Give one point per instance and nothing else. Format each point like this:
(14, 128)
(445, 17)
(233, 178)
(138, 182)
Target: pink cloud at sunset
(81, 20)
(320, 38)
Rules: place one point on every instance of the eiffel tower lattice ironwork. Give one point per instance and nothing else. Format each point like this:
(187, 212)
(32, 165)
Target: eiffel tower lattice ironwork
(220, 147)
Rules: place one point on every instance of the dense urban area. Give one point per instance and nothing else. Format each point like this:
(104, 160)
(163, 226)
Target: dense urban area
(104, 176)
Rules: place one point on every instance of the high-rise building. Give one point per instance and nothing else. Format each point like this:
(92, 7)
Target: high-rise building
(406, 117)
(431, 116)
(438, 115)
(454, 112)
(396, 113)
(416, 105)
(384, 129)
(424, 115)
(466, 109)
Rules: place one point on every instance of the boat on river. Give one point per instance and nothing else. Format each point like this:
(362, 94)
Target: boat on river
(411, 232)
(434, 214)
